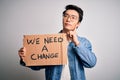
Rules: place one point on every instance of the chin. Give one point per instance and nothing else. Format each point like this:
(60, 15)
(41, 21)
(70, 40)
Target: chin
(67, 29)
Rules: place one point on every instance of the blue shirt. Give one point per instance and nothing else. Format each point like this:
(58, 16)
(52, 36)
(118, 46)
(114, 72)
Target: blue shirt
(78, 56)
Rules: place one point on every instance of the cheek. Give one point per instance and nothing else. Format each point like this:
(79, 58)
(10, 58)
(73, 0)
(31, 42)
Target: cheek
(63, 22)
(75, 25)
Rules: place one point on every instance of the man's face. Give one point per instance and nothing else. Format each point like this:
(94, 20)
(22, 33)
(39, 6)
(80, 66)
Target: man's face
(70, 20)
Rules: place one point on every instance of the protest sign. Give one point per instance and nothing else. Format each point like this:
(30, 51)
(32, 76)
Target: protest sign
(46, 49)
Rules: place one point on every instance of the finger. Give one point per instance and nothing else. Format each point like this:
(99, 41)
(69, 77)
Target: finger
(71, 34)
(21, 54)
(68, 34)
(22, 49)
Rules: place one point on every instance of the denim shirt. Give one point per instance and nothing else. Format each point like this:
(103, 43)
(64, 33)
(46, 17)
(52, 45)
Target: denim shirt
(78, 56)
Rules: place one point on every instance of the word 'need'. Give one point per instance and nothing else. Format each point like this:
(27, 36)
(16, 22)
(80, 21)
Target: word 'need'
(46, 40)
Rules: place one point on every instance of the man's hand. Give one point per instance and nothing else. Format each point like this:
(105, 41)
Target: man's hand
(22, 52)
(72, 35)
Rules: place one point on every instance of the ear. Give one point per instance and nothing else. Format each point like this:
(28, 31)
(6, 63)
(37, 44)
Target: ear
(78, 24)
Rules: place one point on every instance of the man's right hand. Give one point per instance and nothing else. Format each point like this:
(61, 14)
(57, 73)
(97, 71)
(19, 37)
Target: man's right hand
(22, 52)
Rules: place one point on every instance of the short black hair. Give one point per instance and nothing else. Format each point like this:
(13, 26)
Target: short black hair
(76, 8)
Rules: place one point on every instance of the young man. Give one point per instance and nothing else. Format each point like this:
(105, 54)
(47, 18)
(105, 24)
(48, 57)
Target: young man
(80, 53)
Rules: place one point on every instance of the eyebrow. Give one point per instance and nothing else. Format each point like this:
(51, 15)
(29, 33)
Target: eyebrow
(70, 15)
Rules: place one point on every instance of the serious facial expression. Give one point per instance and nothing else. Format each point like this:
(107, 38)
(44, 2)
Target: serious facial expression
(70, 20)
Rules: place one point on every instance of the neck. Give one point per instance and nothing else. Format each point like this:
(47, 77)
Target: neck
(65, 31)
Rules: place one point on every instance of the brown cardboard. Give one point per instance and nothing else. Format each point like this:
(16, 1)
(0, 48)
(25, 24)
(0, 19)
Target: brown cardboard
(47, 49)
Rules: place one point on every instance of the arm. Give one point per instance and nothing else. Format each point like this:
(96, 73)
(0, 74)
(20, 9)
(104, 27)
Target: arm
(84, 51)
(32, 67)
(21, 54)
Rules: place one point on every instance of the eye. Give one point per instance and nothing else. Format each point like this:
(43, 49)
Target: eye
(73, 17)
(65, 15)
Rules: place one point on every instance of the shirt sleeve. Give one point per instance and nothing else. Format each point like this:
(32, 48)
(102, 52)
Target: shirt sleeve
(84, 51)
(32, 67)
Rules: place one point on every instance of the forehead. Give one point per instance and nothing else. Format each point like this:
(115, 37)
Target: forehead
(72, 12)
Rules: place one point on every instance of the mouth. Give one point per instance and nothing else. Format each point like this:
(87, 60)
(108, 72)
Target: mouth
(67, 24)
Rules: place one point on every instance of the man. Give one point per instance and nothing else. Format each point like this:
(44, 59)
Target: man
(80, 53)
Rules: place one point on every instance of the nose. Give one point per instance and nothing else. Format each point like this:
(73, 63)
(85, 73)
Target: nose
(68, 18)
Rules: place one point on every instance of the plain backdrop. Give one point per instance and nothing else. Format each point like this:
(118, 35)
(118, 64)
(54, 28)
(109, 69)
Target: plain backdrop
(101, 25)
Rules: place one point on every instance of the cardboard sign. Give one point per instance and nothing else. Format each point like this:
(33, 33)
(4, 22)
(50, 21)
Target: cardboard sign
(47, 49)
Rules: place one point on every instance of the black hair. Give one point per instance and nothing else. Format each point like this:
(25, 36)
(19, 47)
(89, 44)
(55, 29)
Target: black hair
(76, 8)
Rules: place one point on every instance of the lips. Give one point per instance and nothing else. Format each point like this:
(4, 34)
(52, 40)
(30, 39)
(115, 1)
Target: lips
(67, 24)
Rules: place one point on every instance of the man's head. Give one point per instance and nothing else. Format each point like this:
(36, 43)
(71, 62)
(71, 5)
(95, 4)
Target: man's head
(76, 8)
(72, 17)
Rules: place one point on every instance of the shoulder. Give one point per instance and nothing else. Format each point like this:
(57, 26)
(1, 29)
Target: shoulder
(84, 41)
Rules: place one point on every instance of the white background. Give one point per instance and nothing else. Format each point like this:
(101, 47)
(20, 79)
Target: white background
(101, 25)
